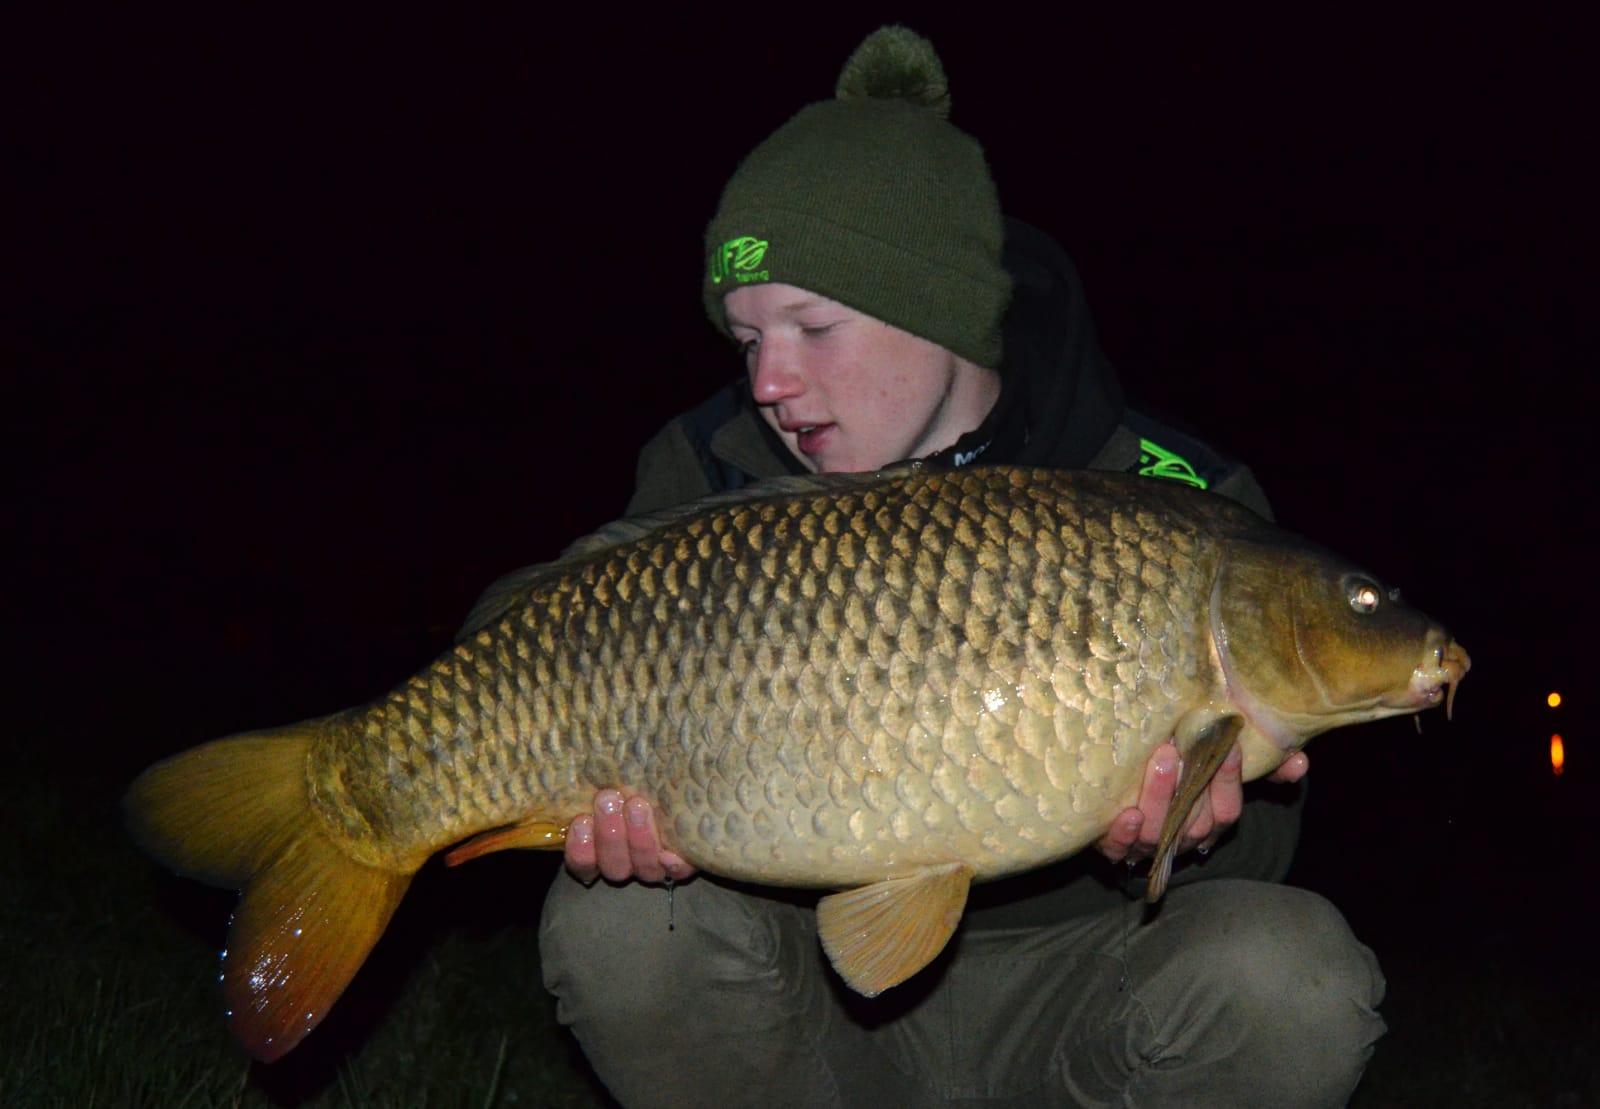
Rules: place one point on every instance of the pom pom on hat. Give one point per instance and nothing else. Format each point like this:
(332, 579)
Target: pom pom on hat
(895, 63)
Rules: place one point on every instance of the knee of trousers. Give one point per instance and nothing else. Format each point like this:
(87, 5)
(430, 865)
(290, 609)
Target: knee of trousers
(635, 946)
(1283, 975)
(721, 1008)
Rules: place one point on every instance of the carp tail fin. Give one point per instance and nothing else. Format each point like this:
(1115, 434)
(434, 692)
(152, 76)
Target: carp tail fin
(236, 813)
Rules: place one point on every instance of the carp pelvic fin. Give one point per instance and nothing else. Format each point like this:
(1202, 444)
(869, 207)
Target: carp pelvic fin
(540, 835)
(877, 936)
(1201, 757)
(236, 813)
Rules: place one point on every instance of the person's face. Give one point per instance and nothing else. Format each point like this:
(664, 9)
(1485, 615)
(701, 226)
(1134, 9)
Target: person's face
(848, 392)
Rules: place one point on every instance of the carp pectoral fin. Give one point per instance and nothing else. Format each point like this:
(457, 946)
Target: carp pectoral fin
(540, 835)
(1201, 757)
(877, 936)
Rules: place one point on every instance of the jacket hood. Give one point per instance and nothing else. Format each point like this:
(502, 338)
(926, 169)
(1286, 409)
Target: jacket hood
(1060, 398)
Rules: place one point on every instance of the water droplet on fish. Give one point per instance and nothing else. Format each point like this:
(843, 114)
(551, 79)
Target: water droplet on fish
(297, 932)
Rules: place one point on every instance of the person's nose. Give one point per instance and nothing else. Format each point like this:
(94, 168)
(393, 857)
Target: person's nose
(773, 377)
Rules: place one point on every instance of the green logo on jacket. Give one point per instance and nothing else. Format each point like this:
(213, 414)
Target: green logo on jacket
(1156, 461)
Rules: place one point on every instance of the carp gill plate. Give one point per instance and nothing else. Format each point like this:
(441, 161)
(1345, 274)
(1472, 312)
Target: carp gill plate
(888, 685)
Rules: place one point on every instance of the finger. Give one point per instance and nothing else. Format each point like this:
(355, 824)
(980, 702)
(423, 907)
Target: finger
(1160, 783)
(1292, 769)
(579, 851)
(644, 850)
(651, 862)
(611, 837)
(1119, 840)
(677, 869)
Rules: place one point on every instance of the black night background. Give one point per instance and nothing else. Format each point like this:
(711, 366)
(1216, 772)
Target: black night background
(317, 323)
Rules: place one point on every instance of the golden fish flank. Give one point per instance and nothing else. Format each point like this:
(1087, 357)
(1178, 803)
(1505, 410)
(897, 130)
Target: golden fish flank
(889, 685)
(896, 733)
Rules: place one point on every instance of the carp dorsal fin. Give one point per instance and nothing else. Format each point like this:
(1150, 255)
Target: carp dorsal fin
(504, 593)
(502, 596)
(877, 936)
(1203, 753)
(787, 485)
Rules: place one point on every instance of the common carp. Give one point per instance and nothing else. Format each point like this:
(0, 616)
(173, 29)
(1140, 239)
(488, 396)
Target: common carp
(886, 685)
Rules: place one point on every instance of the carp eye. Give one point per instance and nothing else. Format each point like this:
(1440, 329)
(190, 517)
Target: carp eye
(1365, 596)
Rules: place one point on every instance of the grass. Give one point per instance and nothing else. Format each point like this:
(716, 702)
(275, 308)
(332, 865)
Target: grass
(111, 1000)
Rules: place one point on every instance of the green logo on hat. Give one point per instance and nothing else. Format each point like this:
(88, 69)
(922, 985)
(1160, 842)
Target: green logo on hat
(738, 259)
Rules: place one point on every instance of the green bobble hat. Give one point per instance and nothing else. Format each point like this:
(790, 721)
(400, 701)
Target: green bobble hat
(873, 199)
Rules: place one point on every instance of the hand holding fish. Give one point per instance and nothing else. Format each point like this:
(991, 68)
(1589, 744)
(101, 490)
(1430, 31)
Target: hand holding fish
(618, 841)
(1134, 834)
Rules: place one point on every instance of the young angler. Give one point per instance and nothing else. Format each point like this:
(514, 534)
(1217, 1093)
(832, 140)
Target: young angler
(887, 311)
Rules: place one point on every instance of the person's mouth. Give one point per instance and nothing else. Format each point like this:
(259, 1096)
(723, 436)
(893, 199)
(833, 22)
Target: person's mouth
(808, 438)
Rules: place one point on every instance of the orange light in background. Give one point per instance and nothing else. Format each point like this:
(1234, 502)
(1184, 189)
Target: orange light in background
(1558, 755)
(1554, 700)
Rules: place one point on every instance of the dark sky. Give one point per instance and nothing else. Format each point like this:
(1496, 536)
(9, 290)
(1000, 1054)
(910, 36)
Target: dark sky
(323, 321)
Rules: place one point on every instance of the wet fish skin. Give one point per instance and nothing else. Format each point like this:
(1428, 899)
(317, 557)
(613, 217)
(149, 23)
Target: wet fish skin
(811, 690)
(893, 684)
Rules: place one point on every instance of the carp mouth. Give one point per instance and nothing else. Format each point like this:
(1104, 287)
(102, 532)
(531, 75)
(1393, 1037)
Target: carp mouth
(1437, 677)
